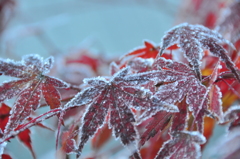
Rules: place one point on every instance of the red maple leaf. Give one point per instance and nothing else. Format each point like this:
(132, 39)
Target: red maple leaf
(148, 51)
(116, 95)
(32, 83)
(192, 39)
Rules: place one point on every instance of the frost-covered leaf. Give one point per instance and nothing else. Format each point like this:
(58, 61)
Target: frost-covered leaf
(32, 84)
(27, 100)
(192, 39)
(117, 95)
(182, 145)
(183, 84)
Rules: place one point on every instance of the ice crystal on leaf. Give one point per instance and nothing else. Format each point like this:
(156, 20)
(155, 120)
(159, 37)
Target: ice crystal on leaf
(28, 88)
(183, 144)
(192, 39)
(115, 96)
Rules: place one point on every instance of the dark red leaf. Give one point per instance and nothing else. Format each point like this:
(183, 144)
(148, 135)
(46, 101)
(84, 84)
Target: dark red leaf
(116, 95)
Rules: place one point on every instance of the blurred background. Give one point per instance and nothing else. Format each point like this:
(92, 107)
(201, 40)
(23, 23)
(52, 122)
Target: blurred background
(57, 26)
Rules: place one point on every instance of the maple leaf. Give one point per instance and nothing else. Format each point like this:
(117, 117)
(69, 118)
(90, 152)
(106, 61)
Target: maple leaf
(148, 51)
(32, 83)
(117, 96)
(182, 83)
(183, 144)
(192, 39)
